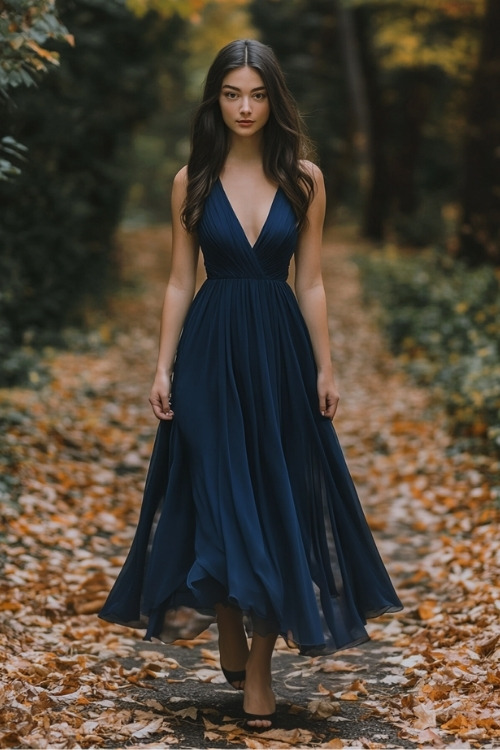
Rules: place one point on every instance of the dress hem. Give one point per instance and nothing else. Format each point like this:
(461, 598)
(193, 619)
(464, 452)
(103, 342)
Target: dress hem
(209, 619)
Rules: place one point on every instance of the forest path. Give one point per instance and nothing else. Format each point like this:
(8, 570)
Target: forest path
(76, 454)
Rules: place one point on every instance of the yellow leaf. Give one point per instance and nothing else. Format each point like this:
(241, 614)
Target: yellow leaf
(427, 609)
(50, 56)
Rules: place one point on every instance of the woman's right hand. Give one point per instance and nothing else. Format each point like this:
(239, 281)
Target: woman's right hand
(159, 397)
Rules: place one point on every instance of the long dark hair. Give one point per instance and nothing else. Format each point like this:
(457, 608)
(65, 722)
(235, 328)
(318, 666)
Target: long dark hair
(285, 142)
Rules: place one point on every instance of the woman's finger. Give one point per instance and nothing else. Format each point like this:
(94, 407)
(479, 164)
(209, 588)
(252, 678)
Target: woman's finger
(160, 403)
(322, 405)
(331, 409)
(328, 405)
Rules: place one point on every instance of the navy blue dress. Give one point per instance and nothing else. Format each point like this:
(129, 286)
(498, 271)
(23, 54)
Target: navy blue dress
(248, 500)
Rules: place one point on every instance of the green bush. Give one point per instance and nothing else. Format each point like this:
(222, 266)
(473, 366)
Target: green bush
(58, 217)
(443, 320)
(25, 27)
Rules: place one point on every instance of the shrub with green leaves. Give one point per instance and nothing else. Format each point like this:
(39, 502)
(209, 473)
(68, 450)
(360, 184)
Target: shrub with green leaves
(443, 319)
(58, 217)
(25, 27)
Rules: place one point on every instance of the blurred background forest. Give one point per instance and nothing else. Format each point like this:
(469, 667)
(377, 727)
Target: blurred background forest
(401, 97)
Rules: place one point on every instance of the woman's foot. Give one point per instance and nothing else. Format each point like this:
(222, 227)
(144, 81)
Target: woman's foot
(233, 646)
(259, 722)
(259, 703)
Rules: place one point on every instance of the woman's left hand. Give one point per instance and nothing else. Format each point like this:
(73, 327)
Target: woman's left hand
(328, 395)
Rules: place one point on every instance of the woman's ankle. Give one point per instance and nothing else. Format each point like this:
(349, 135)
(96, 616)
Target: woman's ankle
(233, 646)
(258, 670)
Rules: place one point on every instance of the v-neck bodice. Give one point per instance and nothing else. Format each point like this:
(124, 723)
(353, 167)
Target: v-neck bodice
(252, 244)
(226, 249)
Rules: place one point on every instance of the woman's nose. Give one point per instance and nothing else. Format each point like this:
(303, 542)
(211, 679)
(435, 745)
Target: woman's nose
(245, 104)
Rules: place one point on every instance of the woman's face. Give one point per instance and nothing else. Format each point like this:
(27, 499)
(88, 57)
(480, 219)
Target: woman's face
(244, 102)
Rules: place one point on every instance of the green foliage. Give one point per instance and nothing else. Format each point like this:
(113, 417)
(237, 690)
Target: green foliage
(58, 217)
(25, 26)
(10, 148)
(443, 319)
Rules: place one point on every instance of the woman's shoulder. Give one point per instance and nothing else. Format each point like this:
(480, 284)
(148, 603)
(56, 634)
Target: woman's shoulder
(179, 185)
(179, 190)
(311, 169)
(181, 178)
(314, 173)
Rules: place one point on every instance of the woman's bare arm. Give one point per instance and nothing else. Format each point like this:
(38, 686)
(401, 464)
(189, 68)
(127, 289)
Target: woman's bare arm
(311, 297)
(178, 297)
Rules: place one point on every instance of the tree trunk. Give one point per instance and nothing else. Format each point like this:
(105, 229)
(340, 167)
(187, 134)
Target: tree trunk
(356, 87)
(480, 228)
(376, 197)
(415, 101)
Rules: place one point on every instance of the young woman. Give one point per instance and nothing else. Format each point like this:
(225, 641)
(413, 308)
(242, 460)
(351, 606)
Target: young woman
(249, 513)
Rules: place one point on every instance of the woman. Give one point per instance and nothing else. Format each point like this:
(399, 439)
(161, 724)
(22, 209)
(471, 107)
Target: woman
(249, 509)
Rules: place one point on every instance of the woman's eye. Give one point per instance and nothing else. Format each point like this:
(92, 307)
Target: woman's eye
(230, 95)
(260, 96)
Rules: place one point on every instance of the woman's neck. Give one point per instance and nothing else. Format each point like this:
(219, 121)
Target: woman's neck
(245, 150)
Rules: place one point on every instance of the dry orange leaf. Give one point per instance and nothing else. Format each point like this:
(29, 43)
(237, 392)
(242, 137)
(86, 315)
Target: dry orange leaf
(359, 687)
(427, 609)
(458, 722)
(322, 709)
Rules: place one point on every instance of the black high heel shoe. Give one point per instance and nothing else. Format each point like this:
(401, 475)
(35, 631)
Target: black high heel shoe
(231, 677)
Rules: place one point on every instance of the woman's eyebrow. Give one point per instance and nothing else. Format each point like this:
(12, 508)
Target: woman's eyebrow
(235, 88)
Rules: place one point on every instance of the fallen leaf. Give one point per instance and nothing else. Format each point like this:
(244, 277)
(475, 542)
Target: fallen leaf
(321, 709)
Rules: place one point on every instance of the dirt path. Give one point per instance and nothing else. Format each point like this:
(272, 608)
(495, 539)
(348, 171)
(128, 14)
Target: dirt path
(75, 459)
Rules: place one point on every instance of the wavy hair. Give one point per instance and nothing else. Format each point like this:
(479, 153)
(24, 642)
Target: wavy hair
(285, 142)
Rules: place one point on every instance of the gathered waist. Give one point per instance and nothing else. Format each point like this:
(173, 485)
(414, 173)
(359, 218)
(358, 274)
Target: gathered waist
(246, 278)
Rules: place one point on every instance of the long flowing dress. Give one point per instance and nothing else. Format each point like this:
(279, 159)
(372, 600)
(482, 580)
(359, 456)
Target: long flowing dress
(248, 500)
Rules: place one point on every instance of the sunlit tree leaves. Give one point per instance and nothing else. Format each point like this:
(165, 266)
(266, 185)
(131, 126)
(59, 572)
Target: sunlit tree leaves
(188, 9)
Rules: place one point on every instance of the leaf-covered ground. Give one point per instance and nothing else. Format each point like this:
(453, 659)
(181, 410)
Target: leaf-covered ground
(74, 454)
